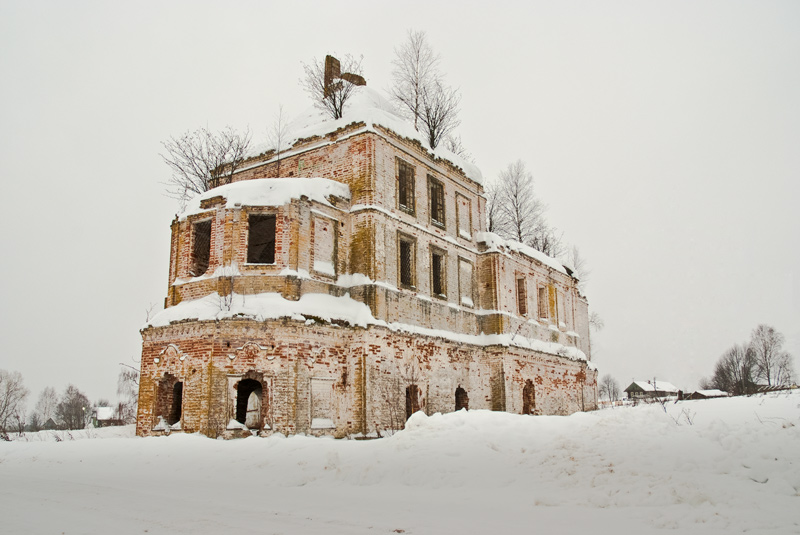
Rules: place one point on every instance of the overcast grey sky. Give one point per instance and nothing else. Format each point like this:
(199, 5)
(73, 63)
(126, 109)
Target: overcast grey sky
(664, 136)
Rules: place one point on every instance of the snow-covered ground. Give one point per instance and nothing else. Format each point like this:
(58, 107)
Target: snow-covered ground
(714, 466)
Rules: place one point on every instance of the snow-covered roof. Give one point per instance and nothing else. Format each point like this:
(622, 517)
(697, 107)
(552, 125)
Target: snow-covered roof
(495, 243)
(711, 393)
(271, 192)
(368, 106)
(330, 308)
(660, 386)
(104, 413)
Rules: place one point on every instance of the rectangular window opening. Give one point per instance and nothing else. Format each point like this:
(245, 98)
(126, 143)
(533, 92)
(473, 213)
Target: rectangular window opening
(405, 186)
(261, 239)
(201, 247)
(437, 201)
(543, 306)
(522, 297)
(407, 260)
(438, 273)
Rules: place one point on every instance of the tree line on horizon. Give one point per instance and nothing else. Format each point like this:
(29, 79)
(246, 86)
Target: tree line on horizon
(71, 410)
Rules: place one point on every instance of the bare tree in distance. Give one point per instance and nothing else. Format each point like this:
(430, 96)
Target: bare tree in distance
(416, 67)
(12, 399)
(202, 160)
(46, 405)
(74, 408)
(734, 371)
(330, 84)
(609, 388)
(596, 322)
(773, 364)
(579, 266)
(128, 393)
(494, 212)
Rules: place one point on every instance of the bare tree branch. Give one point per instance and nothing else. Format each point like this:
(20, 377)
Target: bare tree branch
(202, 160)
(416, 68)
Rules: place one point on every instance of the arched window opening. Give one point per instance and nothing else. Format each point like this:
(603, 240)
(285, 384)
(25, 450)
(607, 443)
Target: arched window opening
(462, 399)
(177, 404)
(528, 398)
(412, 400)
(248, 403)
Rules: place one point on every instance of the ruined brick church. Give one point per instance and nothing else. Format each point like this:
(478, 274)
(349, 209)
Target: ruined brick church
(347, 282)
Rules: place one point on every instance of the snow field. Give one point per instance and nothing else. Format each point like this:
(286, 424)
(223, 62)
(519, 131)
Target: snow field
(734, 468)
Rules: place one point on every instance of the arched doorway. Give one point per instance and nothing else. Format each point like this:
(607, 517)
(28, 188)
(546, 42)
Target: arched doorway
(462, 399)
(248, 403)
(528, 398)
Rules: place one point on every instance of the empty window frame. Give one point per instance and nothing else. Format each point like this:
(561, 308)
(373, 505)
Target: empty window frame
(261, 239)
(528, 398)
(405, 186)
(543, 303)
(522, 297)
(201, 247)
(406, 260)
(465, 282)
(464, 216)
(438, 273)
(436, 196)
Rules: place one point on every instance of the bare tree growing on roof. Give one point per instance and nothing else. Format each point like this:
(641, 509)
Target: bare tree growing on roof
(202, 160)
(419, 89)
(331, 83)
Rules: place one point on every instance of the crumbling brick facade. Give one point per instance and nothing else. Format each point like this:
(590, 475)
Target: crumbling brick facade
(447, 306)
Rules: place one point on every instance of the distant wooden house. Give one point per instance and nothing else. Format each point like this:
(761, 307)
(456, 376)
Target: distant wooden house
(707, 394)
(104, 417)
(645, 390)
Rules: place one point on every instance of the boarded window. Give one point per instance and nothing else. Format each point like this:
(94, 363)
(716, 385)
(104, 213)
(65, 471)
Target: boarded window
(407, 261)
(522, 297)
(464, 215)
(201, 247)
(465, 282)
(249, 396)
(543, 306)
(438, 284)
(261, 239)
(528, 398)
(324, 246)
(462, 399)
(405, 186)
(322, 404)
(436, 194)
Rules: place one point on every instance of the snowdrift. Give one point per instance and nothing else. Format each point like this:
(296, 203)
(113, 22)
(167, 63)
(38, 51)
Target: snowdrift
(712, 466)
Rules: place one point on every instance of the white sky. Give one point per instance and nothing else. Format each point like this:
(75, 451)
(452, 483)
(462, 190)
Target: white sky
(663, 136)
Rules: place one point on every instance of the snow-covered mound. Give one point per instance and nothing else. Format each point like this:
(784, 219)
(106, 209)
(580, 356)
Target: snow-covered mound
(368, 106)
(716, 466)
